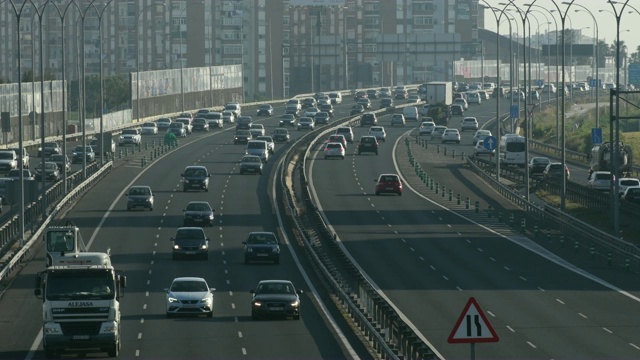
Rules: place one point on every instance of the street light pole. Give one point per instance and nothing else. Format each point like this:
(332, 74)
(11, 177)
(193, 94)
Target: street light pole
(596, 56)
(138, 56)
(182, 52)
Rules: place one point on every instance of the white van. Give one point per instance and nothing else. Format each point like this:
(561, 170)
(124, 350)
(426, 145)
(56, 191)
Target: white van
(410, 113)
(336, 98)
(259, 148)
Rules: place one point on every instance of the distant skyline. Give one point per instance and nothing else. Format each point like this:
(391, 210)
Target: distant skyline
(581, 19)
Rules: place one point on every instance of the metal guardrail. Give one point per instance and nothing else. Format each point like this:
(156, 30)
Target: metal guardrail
(386, 330)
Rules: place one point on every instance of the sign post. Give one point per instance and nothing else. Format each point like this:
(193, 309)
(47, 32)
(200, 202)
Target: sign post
(472, 327)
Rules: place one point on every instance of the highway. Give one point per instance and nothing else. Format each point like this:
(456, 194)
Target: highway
(139, 244)
(429, 261)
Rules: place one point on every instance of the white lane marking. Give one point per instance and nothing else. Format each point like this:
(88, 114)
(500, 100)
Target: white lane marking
(560, 301)
(142, 321)
(144, 307)
(490, 313)
(607, 330)
(233, 305)
(583, 315)
(523, 279)
(510, 328)
(139, 336)
(635, 346)
(137, 353)
(240, 334)
(531, 344)
(244, 351)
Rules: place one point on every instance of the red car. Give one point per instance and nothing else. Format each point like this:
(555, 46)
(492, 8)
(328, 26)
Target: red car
(388, 183)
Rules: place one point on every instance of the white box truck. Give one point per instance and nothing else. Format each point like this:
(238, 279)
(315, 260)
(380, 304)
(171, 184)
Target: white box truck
(439, 92)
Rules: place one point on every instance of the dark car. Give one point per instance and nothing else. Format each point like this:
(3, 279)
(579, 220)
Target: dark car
(537, 165)
(632, 195)
(242, 137)
(262, 246)
(372, 94)
(280, 135)
(388, 183)
(365, 102)
(140, 196)
(50, 148)
(251, 164)
(386, 102)
(308, 102)
(356, 109)
(360, 95)
(368, 119)
(244, 123)
(287, 120)
(400, 94)
(275, 298)
(368, 144)
(328, 108)
(79, 152)
(198, 212)
(190, 241)
(195, 177)
(322, 117)
(200, 124)
(62, 161)
(50, 171)
(554, 170)
(265, 110)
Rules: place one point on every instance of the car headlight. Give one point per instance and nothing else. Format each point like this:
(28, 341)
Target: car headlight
(186, 181)
(275, 249)
(75, 154)
(203, 247)
(176, 247)
(295, 303)
(249, 249)
(257, 304)
(206, 300)
(172, 299)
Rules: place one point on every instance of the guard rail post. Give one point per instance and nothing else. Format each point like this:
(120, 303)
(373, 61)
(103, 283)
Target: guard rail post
(477, 207)
(468, 203)
(444, 191)
(453, 153)
(458, 198)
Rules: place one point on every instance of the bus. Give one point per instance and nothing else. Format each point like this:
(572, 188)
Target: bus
(512, 150)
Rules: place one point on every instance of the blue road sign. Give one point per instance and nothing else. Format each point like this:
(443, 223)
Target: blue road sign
(515, 111)
(540, 82)
(634, 73)
(595, 83)
(596, 136)
(490, 142)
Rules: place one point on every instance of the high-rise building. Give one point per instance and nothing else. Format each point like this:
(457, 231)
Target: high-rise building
(284, 48)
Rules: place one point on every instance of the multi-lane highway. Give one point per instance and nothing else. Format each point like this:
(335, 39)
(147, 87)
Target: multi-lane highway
(428, 262)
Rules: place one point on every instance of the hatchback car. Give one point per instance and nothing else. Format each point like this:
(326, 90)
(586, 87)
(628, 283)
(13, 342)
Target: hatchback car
(258, 148)
(251, 164)
(426, 128)
(228, 116)
(457, 109)
(365, 102)
(15, 174)
(322, 117)
(257, 130)
(537, 165)
(378, 132)
(554, 170)
(198, 212)
(346, 131)
(190, 241)
(178, 129)
(50, 148)
(480, 150)
(49, 171)
(333, 150)
(600, 180)
(200, 124)
(462, 102)
(450, 135)
(388, 183)
(79, 152)
(356, 109)
(270, 143)
(368, 144)
(437, 132)
(624, 183)
(338, 138)
(469, 123)
(287, 120)
(368, 119)
(631, 194)
(397, 119)
(195, 177)
(140, 196)
(480, 135)
(189, 295)
(275, 298)
(474, 98)
(306, 123)
(386, 102)
(242, 137)
(244, 123)
(311, 112)
(62, 161)
(262, 246)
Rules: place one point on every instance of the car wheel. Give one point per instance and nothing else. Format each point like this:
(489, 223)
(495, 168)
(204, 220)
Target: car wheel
(246, 260)
(325, 158)
(174, 256)
(114, 350)
(210, 314)
(276, 261)
(169, 315)
(150, 208)
(206, 190)
(377, 193)
(399, 193)
(342, 157)
(359, 153)
(128, 208)
(206, 256)
(260, 172)
(254, 316)
(296, 317)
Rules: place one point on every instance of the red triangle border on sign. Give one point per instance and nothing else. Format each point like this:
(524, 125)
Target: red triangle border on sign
(494, 336)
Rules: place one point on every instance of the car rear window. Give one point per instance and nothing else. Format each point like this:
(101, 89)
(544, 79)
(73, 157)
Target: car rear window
(630, 182)
(603, 176)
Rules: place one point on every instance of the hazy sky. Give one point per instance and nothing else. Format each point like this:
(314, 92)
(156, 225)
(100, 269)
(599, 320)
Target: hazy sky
(581, 19)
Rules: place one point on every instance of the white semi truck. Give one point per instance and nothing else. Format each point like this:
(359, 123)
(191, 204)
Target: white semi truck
(81, 294)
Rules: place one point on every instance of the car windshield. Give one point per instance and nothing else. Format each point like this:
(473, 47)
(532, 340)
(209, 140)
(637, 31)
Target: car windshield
(265, 138)
(194, 233)
(227, 113)
(257, 126)
(6, 155)
(176, 125)
(198, 207)
(540, 161)
(139, 191)
(251, 159)
(280, 131)
(56, 158)
(275, 288)
(213, 116)
(195, 172)
(629, 182)
(388, 178)
(256, 145)
(633, 192)
(243, 132)
(265, 107)
(199, 121)
(129, 132)
(376, 129)
(188, 286)
(334, 146)
(149, 125)
(262, 239)
(603, 176)
(50, 145)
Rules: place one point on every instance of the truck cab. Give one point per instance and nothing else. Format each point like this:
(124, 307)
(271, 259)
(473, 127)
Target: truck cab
(62, 243)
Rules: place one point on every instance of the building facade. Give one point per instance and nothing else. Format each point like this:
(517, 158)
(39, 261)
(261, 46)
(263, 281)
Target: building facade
(284, 48)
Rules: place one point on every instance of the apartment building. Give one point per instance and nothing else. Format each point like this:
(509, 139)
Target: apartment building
(284, 48)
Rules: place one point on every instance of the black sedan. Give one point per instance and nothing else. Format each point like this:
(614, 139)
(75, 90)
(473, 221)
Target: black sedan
(251, 164)
(281, 135)
(357, 109)
(50, 171)
(265, 110)
(198, 212)
(261, 246)
(537, 165)
(61, 161)
(275, 298)
(242, 137)
(287, 120)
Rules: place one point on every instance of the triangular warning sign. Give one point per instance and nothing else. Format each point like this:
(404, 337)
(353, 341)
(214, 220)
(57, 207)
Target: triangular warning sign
(530, 108)
(472, 326)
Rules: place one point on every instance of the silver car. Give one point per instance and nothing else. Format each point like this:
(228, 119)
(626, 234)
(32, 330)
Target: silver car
(334, 149)
(600, 180)
(270, 143)
(189, 295)
(258, 148)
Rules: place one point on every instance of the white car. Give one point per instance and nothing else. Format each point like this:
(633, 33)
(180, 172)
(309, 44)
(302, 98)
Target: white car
(600, 180)
(451, 135)
(228, 116)
(306, 123)
(426, 128)
(474, 98)
(463, 102)
(624, 183)
(334, 149)
(397, 119)
(437, 132)
(480, 135)
(149, 128)
(378, 132)
(189, 295)
(258, 148)
(469, 123)
(311, 112)
(480, 150)
(257, 130)
(270, 143)
(129, 137)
